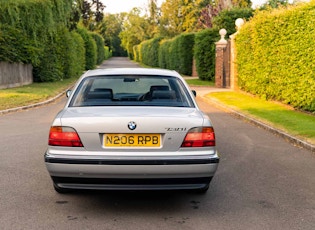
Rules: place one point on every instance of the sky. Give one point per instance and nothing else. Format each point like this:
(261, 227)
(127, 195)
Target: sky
(117, 6)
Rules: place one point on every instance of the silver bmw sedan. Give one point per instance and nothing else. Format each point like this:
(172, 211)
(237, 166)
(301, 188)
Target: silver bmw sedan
(131, 129)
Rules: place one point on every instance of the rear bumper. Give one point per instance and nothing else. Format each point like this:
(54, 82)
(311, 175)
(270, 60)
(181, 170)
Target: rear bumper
(132, 173)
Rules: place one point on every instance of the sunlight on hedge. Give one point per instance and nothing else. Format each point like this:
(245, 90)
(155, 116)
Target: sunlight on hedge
(275, 55)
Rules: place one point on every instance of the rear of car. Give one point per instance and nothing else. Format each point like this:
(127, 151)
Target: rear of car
(131, 129)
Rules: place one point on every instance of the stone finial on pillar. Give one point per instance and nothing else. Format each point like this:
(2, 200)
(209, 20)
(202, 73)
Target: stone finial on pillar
(222, 33)
(239, 23)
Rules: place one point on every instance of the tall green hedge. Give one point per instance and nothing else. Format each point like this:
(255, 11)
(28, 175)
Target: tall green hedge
(75, 62)
(165, 54)
(186, 44)
(275, 56)
(64, 57)
(204, 53)
(108, 52)
(137, 53)
(16, 47)
(36, 32)
(90, 48)
(176, 53)
(150, 52)
(100, 49)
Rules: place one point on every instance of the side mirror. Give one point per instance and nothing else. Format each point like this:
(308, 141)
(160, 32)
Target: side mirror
(194, 92)
(68, 93)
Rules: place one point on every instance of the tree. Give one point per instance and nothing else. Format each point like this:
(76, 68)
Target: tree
(274, 3)
(153, 18)
(242, 3)
(226, 18)
(171, 18)
(91, 12)
(134, 30)
(211, 10)
(110, 29)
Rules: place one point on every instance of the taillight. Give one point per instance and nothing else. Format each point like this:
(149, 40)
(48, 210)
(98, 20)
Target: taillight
(199, 137)
(64, 136)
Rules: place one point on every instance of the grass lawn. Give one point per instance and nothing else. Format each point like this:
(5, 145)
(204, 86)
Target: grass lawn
(198, 82)
(278, 115)
(30, 94)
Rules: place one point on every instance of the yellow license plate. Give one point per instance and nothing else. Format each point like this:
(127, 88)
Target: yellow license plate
(132, 140)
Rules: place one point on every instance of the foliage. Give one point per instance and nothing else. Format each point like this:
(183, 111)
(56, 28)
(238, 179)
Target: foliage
(171, 19)
(207, 14)
(75, 62)
(153, 18)
(179, 16)
(108, 52)
(149, 52)
(137, 53)
(135, 30)
(210, 13)
(274, 4)
(91, 12)
(15, 47)
(37, 32)
(204, 53)
(52, 60)
(275, 55)
(90, 48)
(242, 3)
(177, 53)
(226, 18)
(100, 50)
(62, 58)
(110, 29)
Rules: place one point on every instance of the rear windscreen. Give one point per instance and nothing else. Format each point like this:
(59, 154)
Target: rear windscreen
(130, 90)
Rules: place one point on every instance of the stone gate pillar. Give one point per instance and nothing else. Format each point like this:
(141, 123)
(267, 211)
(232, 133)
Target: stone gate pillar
(219, 59)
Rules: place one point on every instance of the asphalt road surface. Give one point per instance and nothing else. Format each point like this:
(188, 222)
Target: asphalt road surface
(263, 182)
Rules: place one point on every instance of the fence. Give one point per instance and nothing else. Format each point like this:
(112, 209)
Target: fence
(15, 74)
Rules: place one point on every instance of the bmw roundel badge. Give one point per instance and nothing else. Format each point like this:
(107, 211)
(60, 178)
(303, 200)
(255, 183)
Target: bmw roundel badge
(132, 125)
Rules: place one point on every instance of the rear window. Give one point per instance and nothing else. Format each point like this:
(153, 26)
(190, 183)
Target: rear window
(131, 90)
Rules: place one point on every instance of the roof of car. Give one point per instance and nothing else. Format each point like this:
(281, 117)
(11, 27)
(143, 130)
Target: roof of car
(135, 71)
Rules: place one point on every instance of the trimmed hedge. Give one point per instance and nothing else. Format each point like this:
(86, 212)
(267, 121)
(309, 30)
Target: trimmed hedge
(185, 47)
(108, 52)
(150, 52)
(62, 58)
(165, 54)
(90, 48)
(75, 63)
(176, 53)
(275, 56)
(16, 47)
(37, 32)
(205, 53)
(137, 53)
(100, 50)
